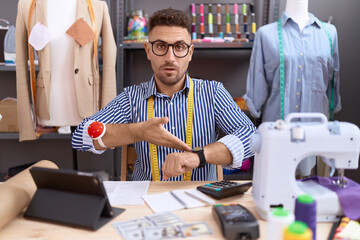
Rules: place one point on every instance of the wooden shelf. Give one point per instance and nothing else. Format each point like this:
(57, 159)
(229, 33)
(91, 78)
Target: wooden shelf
(5, 68)
(237, 45)
(15, 136)
(12, 68)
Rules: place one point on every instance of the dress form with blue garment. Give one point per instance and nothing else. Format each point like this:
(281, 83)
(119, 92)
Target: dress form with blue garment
(309, 67)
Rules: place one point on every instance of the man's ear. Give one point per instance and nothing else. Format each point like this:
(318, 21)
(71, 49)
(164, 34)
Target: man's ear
(147, 47)
(191, 51)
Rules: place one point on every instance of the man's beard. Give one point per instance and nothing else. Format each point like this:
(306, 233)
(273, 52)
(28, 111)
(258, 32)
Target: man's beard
(169, 79)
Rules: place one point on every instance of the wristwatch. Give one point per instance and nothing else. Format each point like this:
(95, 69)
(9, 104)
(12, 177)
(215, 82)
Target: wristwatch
(200, 152)
(96, 131)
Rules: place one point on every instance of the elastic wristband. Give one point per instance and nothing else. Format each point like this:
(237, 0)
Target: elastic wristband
(99, 138)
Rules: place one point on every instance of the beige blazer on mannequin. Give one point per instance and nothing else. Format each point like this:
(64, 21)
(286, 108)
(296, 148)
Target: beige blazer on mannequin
(92, 92)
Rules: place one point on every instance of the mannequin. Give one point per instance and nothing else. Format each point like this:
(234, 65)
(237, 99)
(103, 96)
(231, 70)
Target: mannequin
(68, 84)
(298, 10)
(310, 66)
(63, 105)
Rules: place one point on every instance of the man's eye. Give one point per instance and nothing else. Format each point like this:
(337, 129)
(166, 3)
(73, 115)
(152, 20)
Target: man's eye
(180, 47)
(161, 46)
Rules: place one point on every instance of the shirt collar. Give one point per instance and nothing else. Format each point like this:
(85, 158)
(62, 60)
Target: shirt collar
(312, 19)
(151, 90)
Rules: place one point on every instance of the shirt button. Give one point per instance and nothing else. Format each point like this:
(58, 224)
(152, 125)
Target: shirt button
(76, 71)
(171, 103)
(298, 80)
(297, 106)
(301, 54)
(297, 93)
(173, 128)
(300, 66)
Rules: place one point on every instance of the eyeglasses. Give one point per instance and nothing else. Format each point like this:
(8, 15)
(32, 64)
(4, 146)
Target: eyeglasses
(160, 48)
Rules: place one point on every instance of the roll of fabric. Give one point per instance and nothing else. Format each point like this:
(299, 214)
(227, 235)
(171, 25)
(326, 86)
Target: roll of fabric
(17, 192)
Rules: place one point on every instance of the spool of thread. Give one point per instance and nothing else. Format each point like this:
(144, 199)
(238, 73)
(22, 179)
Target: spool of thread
(305, 211)
(297, 231)
(279, 219)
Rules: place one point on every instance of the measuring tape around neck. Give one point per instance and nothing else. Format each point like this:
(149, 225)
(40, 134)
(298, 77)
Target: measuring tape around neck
(31, 49)
(93, 22)
(331, 106)
(282, 69)
(31, 57)
(282, 72)
(153, 152)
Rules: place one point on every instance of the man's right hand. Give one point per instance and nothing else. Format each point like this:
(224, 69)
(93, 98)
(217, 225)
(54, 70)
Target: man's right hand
(154, 132)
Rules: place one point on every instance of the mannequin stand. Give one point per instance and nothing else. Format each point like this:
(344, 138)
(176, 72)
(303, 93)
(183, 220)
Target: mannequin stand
(74, 152)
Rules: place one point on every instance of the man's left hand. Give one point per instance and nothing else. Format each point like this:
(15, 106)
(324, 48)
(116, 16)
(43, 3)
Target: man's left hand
(178, 163)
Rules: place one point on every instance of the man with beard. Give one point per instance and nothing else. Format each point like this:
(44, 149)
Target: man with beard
(169, 116)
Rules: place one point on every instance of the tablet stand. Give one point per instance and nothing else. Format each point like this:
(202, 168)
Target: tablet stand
(70, 208)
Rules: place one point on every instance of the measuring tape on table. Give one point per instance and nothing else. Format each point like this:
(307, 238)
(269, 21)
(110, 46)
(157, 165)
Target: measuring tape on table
(153, 152)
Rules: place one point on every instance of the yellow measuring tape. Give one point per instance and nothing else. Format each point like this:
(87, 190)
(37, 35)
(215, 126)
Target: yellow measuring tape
(31, 57)
(93, 22)
(153, 152)
(31, 49)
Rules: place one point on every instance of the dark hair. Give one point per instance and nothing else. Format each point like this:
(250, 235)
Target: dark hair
(170, 17)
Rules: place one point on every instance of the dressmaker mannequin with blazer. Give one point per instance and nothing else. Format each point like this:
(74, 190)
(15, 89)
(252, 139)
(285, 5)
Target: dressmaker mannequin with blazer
(68, 84)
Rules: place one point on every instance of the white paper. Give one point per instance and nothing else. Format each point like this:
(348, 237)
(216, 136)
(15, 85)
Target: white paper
(39, 36)
(162, 202)
(200, 196)
(126, 192)
(166, 201)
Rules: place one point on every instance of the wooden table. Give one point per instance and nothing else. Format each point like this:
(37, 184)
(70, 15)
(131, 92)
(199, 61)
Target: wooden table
(21, 228)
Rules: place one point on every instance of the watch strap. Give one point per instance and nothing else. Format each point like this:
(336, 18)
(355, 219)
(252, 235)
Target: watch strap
(101, 143)
(201, 155)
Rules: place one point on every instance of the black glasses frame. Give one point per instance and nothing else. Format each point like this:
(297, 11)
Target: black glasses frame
(172, 46)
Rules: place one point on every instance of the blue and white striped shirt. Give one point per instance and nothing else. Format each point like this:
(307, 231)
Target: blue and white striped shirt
(214, 109)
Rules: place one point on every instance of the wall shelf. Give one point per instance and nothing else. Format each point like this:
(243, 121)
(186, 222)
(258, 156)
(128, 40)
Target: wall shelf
(15, 136)
(235, 45)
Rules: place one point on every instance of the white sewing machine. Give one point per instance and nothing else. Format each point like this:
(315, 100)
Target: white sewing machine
(280, 146)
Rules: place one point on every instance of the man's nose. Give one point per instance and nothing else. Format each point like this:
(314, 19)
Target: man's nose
(170, 54)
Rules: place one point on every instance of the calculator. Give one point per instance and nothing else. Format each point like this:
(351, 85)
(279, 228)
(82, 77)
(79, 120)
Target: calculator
(223, 189)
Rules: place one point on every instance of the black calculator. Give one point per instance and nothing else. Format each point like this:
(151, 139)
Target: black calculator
(236, 222)
(223, 189)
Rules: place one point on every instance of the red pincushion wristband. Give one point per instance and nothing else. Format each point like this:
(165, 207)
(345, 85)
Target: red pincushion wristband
(96, 131)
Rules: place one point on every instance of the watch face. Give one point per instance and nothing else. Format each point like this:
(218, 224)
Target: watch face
(197, 148)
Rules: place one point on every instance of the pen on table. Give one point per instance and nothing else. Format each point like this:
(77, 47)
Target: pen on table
(227, 14)
(202, 27)
(219, 21)
(198, 198)
(193, 24)
(210, 21)
(179, 199)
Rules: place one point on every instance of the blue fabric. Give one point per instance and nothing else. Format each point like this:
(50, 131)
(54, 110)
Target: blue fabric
(214, 109)
(308, 69)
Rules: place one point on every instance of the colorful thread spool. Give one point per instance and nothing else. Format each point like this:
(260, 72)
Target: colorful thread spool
(305, 211)
(297, 231)
(279, 219)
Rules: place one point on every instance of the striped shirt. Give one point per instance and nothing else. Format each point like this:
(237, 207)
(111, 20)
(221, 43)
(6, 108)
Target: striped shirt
(214, 109)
